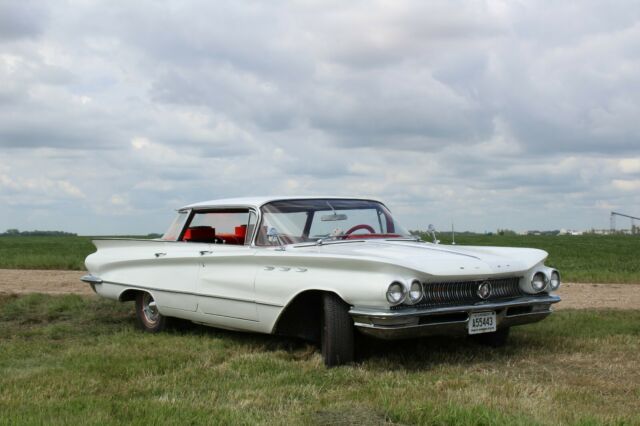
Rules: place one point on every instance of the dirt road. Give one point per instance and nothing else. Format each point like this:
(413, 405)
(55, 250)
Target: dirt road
(51, 282)
(574, 295)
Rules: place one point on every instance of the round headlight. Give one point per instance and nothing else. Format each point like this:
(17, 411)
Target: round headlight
(539, 281)
(396, 293)
(415, 292)
(554, 283)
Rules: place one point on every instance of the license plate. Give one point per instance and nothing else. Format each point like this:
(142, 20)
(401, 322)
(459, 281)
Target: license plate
(482, 322)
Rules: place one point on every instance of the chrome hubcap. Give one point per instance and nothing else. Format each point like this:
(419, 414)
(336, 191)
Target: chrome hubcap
(150, 309)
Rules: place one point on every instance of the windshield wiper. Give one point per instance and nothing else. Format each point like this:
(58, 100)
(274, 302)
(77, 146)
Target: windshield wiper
(339, 238)
(322, 240)
(416, 239)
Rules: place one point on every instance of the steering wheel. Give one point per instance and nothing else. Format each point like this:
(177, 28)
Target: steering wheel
(358, 227)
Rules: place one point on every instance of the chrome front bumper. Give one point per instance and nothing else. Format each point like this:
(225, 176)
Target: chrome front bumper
(415, 322)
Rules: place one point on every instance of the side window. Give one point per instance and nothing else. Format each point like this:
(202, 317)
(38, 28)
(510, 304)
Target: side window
(219, 227)
(174, 230)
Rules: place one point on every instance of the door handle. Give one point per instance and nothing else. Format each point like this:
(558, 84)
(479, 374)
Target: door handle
(203, 252)
(160, 254)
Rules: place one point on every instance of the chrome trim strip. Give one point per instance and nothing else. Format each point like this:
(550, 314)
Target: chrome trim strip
(189, 293)
(228, 316)
(528, 314)
(437, 324)
(459, 327)
(407, 327)
(91, 279)
(480, 306)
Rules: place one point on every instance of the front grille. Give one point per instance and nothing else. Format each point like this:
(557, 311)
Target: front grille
(466, 292)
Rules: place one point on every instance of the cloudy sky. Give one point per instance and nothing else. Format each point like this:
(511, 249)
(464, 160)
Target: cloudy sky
(490, 114)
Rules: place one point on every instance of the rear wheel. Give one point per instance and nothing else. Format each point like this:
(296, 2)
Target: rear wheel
(148, 318)
(495, 340)
(337, 332)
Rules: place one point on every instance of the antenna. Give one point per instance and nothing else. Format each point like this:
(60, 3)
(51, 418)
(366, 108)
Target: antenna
(453, 235)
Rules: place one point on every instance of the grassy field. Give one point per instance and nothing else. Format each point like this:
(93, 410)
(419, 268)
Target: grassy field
(44, 252)
(586, 258)
(580, 258)
(79, 360)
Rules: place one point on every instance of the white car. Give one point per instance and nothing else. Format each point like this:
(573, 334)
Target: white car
(320, 269)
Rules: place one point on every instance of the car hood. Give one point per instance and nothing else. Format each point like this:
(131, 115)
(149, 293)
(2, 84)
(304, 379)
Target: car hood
(435, 259)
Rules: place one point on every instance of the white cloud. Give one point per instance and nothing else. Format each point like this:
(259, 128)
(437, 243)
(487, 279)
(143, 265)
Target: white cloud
(630, 165)
(627, 185)
(70, 189)
(41, 189)
(491, 114)
(140, 142)
(118, 200)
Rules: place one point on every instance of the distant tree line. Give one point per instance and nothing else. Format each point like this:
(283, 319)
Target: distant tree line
(426, 235)
(36, 233)
(536, 232)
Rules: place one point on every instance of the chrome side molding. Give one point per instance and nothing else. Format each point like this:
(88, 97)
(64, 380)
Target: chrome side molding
(91, 279)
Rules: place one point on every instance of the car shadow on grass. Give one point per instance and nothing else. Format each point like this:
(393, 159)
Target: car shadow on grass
(428, 352)
(267, 342)
(411, 354)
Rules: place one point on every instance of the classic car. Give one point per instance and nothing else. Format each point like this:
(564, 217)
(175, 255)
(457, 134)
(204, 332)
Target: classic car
(322, 269)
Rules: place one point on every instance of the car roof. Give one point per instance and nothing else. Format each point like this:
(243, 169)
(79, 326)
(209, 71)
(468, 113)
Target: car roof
(258, 202)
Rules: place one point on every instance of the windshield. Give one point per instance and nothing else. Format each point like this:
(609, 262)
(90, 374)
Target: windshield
(298, 221)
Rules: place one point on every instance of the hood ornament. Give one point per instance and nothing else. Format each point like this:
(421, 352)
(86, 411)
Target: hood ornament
(432, 230)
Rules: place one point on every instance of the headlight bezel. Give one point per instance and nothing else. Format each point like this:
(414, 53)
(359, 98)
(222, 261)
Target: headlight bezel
(542, 278)
(410, 300)
(399, 287)
(555, 287)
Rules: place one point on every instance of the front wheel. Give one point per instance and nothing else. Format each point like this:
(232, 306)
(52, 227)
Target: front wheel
(337, 332)
(148, 318)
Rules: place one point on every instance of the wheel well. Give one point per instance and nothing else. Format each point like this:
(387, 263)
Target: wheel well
(129, 295)
(302, 316)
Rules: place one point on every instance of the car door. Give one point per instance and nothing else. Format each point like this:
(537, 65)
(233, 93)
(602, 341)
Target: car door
(171, 270)
(226, 282)
(226, 268)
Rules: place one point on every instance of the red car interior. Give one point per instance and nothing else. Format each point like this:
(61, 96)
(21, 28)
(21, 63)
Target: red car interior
(200, 234)
(207, 234)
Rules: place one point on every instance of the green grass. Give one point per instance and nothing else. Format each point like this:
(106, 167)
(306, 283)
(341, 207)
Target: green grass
(44, 252)
(581, 258)
(79, 360)
(586, 258)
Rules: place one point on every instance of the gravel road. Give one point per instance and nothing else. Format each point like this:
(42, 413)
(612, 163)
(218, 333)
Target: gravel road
(574, 295)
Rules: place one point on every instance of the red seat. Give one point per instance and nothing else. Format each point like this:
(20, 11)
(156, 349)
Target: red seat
(201, 234)
(241, 232)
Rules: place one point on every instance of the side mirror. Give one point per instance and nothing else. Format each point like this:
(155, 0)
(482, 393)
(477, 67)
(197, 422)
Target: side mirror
(274, 238)
(272, 235)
